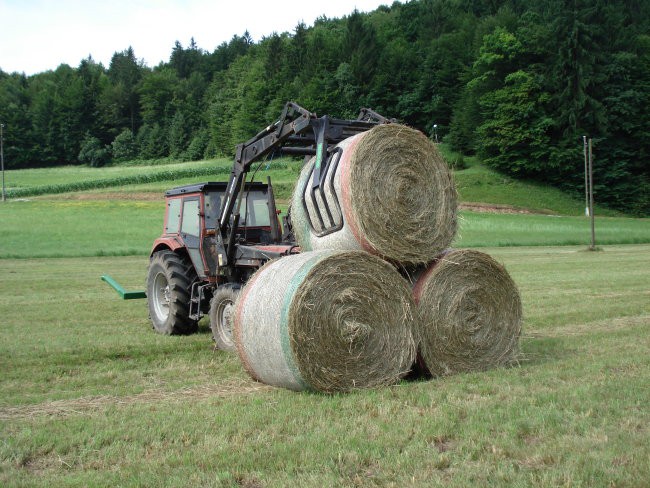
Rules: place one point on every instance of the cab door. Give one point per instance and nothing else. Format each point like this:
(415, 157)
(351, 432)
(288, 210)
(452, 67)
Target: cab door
(191, 231)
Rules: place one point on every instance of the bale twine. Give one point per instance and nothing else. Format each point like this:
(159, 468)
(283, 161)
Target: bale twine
(326, 321)
(469, 314)
(396, 193)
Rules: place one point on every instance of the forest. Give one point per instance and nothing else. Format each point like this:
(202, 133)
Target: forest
(515, 82)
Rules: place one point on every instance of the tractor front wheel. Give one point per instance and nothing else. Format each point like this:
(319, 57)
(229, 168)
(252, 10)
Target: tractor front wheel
(222, 315)
(169, 285)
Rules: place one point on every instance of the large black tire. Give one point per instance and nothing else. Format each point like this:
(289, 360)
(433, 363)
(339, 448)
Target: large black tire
(222, 309)
(169, 286)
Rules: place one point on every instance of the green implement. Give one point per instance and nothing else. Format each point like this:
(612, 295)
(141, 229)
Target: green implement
(126, 295)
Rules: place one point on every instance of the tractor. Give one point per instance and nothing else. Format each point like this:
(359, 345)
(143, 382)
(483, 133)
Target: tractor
(217, 234)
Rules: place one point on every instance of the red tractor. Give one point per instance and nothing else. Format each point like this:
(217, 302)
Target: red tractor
(189, 274)
(216, 235)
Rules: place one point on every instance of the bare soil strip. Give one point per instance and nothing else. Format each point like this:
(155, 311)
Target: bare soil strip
(498, 208)
(89, 405)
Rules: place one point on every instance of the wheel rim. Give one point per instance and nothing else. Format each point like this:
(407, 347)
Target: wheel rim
(161, 298)
(225, 315)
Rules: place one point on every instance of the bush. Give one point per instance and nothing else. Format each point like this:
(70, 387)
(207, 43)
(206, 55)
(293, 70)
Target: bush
(152, 142)
(93, 152)
(457, 162)
(124, 147)
(197, 147)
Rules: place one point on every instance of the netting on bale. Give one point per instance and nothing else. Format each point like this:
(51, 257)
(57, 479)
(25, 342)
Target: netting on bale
(396, 196)
(469, 314)
(326, 321)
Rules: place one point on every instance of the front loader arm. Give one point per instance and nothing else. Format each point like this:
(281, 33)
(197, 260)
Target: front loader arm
(294, 120)
(296, 132)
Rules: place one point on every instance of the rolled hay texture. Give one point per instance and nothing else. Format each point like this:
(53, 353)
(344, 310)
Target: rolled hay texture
(469, 314)
(396, 194)
(326, 321)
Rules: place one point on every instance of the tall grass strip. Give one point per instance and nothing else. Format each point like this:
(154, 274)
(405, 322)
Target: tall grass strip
(125, 180)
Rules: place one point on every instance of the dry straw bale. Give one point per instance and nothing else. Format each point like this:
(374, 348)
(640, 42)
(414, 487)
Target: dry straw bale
(397, 196)
(469, 314)
(328, 321)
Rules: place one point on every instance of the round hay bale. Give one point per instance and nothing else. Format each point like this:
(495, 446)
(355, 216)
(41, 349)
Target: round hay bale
(326, 321)
(469, 314)
(396, 194)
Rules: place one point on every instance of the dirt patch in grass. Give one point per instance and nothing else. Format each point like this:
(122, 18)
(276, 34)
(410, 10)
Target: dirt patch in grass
(88, 405)
(499, 208)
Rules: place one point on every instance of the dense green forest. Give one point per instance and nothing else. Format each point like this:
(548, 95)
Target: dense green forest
(516, 82)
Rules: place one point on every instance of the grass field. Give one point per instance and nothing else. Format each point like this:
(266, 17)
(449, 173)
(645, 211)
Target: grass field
(476, 183)
(59, 175)
(90, 396)
(101, 227)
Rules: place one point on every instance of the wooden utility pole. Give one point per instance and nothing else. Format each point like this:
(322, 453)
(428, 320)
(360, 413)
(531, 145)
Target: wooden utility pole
(591, 198)
(2, 160)
(584, 150)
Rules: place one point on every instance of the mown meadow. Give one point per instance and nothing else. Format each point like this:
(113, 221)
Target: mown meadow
(91, 396)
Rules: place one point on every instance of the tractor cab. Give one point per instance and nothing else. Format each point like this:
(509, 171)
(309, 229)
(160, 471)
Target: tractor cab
(192, 221)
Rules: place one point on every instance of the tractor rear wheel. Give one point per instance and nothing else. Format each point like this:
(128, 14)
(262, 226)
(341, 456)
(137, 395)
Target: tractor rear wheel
(169, 285)
(222, 315)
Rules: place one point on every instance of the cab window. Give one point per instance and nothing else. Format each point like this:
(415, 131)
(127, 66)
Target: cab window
(256, 210)
(212, 209)
(190, 224)
(173, 215)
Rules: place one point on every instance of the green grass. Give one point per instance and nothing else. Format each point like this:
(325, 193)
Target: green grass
(476, 183)
(170, 173)
(101, 227)
(58, 228)
(90, 396)
(480, 184)
(487, 229)
(61, 175)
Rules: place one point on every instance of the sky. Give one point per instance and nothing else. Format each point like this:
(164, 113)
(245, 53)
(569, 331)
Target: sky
(39, 35)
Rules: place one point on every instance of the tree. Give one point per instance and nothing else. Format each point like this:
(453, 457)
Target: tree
(515, 81)
(93, 152)
(497, 59)
(121, 99)
(152, 141)
(514, 135)
(361, 49)
(124, 146)
(185, 61)
(574, 70)
(14, 114)
(56, 111)
(156, 94)
(178, 135)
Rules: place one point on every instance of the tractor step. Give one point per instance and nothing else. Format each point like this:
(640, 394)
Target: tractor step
(126, 295)
(196, 299)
